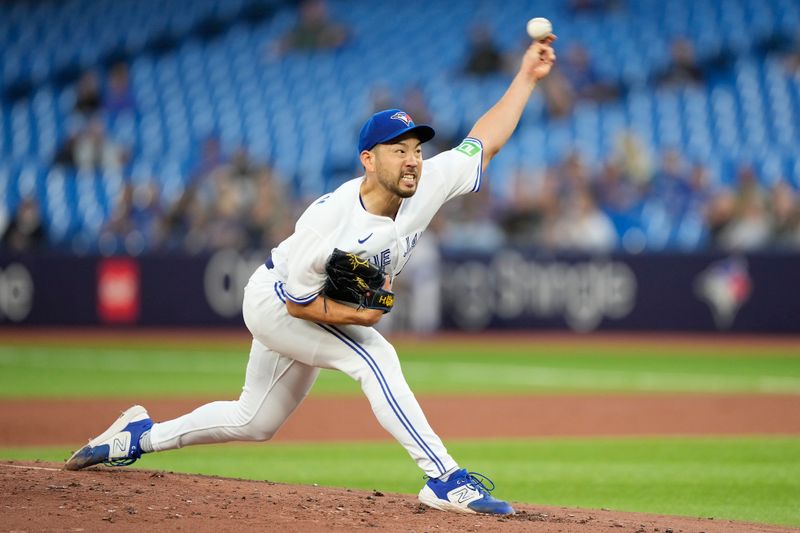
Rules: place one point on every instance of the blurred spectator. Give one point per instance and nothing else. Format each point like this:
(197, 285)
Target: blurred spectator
(186, 223)
(684, 68)
(720, 211)
(211, 157)
(633, 158)
(582, 78)
(415, 104)
(380, 98)
(484, 55)
(225, 226)
(671, 185)
(522, 217)
(615, 191)
(25, 232)
(119, 95)
(574, 79)
(573, 175)
(785, 214)
(559, 98)
(201, 178)
(701, 189)
(93, 150)
(65, 153)
(581, 226)
(136, 225)
(561, 185)
(262, 211)
(557, 210)
(243, 174)
(89, 149)
(314, 30)
(749, 227)
(187, 219)
(88, 99)
(467, 224)
(232, 203)
(271, 214)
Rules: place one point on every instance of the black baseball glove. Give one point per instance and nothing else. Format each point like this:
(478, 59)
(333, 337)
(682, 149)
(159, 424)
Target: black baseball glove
(355, 280)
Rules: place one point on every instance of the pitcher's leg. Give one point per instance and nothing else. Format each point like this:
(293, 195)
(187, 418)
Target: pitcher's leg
(360, 352)
(274, 386)
(373, 362)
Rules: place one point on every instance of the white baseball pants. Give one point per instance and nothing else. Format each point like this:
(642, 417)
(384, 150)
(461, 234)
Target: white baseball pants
(285, 359)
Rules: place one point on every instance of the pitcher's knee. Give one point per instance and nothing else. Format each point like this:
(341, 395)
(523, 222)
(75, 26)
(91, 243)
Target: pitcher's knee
(256, 430)
(258, 433)
(255, 426)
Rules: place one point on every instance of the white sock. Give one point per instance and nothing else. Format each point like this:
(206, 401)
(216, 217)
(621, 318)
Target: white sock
(144, 442)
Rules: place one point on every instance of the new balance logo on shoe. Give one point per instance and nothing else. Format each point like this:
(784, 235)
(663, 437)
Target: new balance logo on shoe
(464, 495)
(120, 444)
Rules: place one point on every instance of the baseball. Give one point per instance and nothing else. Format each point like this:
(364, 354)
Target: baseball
(539, 28)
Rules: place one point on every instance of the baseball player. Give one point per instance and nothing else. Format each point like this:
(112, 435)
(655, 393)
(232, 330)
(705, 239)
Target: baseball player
(297, 329)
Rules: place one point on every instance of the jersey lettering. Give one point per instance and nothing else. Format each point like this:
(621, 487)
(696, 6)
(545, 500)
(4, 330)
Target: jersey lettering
(382, 260)
(411, 242)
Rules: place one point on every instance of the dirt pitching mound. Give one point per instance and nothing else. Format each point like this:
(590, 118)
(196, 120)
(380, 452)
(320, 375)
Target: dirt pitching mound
(42, 497)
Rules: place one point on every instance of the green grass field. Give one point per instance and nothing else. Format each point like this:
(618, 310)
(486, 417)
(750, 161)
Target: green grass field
(72, 370)
(755, 478)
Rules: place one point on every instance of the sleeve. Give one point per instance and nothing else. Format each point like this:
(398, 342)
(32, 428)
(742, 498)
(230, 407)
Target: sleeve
(459, 169)
(306, 265)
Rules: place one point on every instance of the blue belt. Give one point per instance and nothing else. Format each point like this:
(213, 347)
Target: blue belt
(268, 263)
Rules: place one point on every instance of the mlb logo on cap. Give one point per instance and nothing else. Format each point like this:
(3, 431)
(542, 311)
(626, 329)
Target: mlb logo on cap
(390, 124)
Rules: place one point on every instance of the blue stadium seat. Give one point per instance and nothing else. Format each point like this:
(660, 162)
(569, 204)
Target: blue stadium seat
(302, 110)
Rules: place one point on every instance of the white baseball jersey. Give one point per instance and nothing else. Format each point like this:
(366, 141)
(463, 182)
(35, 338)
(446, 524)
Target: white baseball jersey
(339, 220)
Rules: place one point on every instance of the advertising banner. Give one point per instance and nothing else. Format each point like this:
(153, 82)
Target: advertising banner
(512, 290)
(507, 290)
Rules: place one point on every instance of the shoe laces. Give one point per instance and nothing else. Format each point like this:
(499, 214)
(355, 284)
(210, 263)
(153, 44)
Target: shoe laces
(478, 481)
(120, 462)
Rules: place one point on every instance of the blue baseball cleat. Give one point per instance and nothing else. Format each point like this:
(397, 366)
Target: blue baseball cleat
(463, 492)
(118, 445)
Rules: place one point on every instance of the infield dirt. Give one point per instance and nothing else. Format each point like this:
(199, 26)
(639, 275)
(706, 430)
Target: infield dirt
(29, 422)
(41, 497)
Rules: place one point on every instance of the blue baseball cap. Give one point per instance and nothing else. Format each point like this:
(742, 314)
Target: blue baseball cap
(390, 124)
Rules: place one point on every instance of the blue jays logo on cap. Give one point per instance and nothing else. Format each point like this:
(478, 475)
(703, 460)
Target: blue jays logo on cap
(386, 125)
(402, 115)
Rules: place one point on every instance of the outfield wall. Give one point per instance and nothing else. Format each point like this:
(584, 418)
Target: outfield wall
(508, 290)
